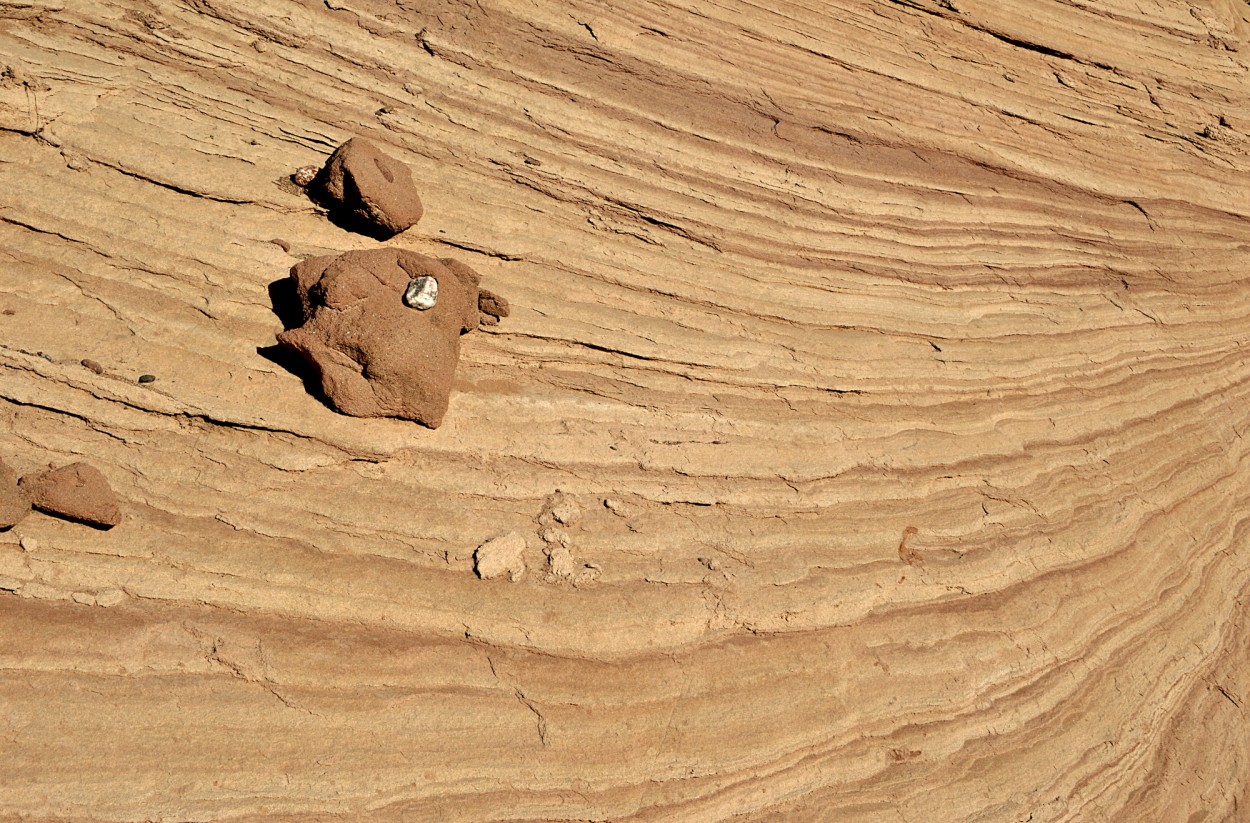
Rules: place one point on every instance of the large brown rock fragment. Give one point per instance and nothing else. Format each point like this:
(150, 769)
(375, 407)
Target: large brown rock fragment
(375, 355)
(77, 492)
(367, 190)
(14, 502)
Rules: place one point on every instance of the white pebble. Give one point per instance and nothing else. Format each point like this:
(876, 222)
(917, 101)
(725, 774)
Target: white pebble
(422, 293)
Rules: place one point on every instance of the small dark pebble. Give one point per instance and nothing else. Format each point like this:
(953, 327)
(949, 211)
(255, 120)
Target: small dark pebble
(282, 244)
(147, 378)
(93, 366)
(45, 356)
(9, 312)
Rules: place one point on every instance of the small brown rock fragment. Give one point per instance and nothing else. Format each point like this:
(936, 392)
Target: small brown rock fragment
(362, 183)
(905, 552)
(77, 492)
(14, 502)
(617, 507)
(491, 304)
(560, 561)
(553, 536)
(375, 356)
(75, 160)
(92, 365)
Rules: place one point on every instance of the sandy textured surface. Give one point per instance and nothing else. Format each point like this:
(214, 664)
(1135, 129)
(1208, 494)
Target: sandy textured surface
(889, 358)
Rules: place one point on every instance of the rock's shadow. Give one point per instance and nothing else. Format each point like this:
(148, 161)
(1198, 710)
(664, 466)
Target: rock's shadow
(285, 302)
(348, 221)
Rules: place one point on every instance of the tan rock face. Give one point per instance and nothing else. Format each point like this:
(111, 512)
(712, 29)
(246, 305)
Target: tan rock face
(77, 492)
(368, 188)
(501, 556)
(896, 356)
(375, 355)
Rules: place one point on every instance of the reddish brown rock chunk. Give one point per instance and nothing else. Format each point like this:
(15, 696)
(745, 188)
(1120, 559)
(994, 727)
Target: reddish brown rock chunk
(492, 306)
(14, 502)
(375, 356)
(77, 492)
(368, 190)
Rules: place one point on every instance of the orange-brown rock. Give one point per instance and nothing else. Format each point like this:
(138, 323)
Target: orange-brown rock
(367, 189)
(492, 307)
(76, 492)
(377, 353)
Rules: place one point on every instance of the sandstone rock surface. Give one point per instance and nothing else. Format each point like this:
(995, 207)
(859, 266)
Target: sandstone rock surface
(375, 356)
(907, 342)
(14, 502)
(370, 189)
(77, 492)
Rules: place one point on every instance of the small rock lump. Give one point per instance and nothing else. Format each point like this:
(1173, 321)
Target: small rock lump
(367, 189)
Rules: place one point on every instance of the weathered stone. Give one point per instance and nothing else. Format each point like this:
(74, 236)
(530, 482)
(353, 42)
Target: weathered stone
(492, 305)
(367, 189)
(500, 556)
(375, 356)
(77, 492)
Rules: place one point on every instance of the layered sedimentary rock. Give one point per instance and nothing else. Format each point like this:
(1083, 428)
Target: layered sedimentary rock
(893, 354)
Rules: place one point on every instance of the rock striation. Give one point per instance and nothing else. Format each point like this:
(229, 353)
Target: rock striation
(894, 355)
